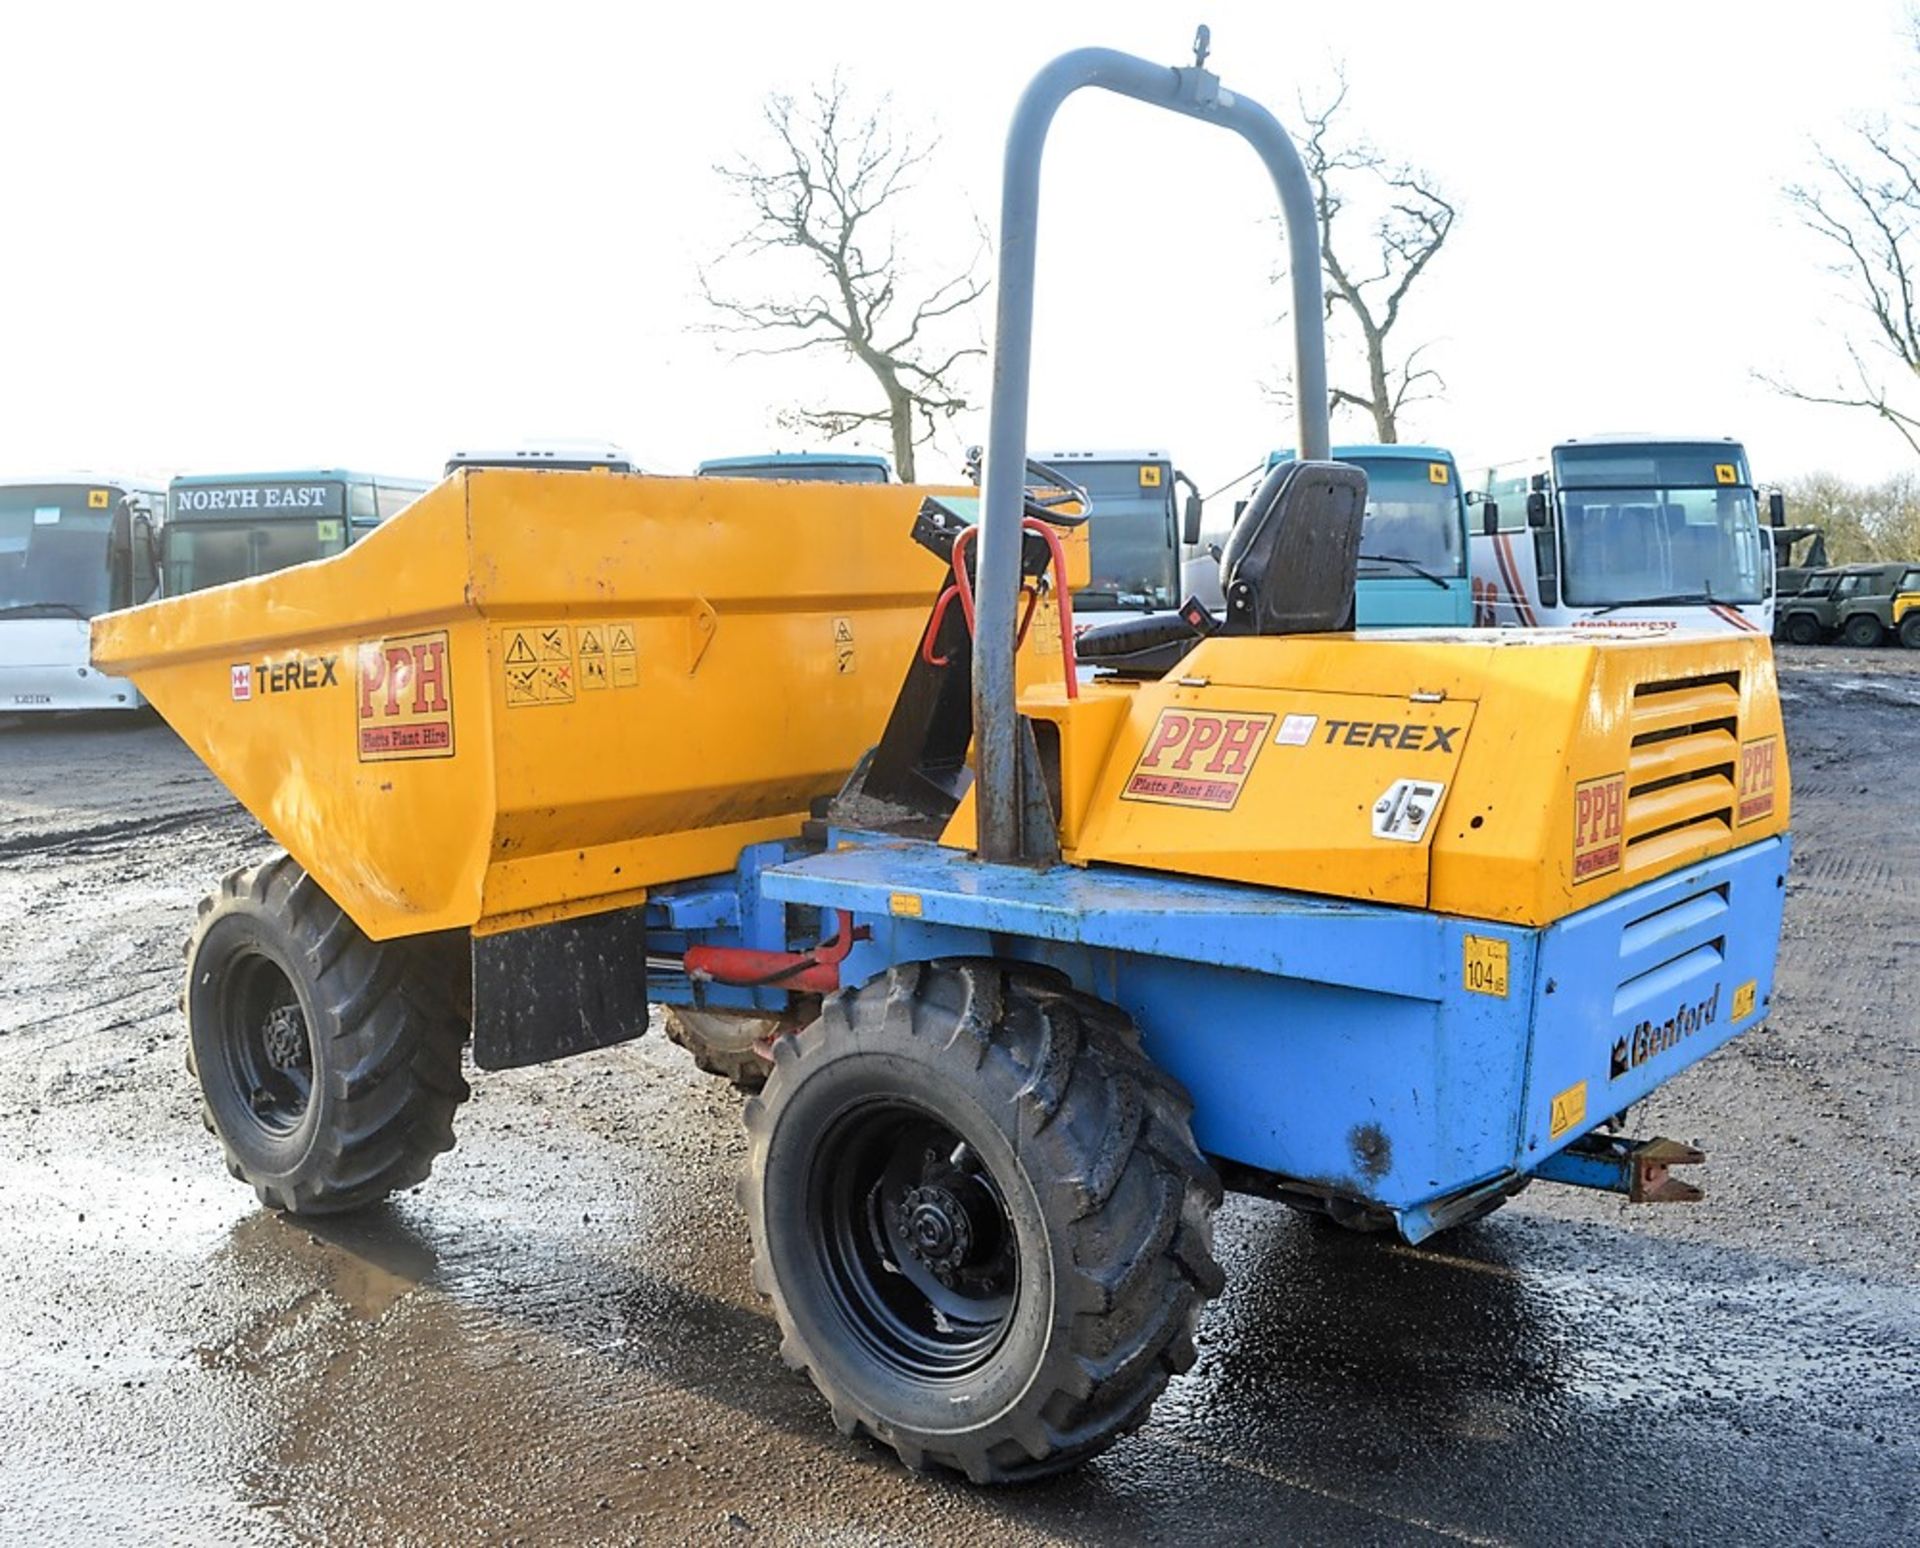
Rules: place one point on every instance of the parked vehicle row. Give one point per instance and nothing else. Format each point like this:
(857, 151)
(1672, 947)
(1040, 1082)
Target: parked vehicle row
(1863, 605)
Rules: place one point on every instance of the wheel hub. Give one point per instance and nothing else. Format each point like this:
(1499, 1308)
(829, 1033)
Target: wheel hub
(284, 1038)
(936, 1229)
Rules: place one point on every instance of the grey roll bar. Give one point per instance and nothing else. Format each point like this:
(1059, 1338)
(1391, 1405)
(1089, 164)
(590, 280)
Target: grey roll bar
(1197, 93)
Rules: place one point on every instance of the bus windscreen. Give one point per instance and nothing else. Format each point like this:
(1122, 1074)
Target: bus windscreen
(1412, 518)
(53, 549)
(1133, 559)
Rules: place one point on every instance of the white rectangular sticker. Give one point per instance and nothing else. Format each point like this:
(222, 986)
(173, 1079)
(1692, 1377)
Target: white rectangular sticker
(1295, 731)
(46, 515)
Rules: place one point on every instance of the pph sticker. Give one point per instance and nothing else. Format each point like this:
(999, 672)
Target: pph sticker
(1599, 815)
(404, 697)
(1758, 769)
(1197, 759)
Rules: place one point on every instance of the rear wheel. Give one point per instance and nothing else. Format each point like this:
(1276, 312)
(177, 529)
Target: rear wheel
(1803, 629)
(1863, 631)
(981, 1218)
(329, 1064)
(1910, 630)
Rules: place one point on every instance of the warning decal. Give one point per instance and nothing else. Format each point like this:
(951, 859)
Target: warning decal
(626, 660)
(552, 663)
(1197, 759)
(843, 645)
(1568, 1111)
(404, 697)
(593, 658)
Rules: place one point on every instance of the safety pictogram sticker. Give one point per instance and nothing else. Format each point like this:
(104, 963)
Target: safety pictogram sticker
(843, 645)
(537, 664)
(623, 659)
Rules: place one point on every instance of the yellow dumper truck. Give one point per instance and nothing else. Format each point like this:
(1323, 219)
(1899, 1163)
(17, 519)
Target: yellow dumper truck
(1382, 926)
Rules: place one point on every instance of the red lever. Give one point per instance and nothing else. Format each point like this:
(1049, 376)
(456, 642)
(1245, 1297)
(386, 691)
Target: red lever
(961, 586)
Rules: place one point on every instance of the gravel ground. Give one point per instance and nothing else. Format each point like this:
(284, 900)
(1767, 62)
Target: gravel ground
(556, 1339)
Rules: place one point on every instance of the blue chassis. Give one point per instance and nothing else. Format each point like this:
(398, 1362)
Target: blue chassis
(1330, 1045)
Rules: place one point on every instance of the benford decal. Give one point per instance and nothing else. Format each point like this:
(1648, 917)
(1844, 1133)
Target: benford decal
(405, 697)
(1599, 810)
(1193, 758)
(1650, 1039)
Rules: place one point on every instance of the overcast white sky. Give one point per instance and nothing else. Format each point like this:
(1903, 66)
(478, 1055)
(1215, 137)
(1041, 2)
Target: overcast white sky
(262, 235)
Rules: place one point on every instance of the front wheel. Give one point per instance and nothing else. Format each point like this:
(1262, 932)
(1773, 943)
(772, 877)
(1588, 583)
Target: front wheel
(329, 1064)
(1803, 629)
(1910, 630)
(1863, 631)
(981, 1218)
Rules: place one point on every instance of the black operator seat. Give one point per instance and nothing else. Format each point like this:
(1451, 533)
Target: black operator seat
(1288, 568)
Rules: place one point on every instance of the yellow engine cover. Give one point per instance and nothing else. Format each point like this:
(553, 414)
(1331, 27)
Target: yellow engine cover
(1509, 776)
(535, 694)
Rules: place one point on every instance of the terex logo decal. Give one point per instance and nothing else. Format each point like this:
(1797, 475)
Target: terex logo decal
(1757, 763)
(1599, 810)
(1197, 759)
(405, 692)
(299, 671)
(1401, 736)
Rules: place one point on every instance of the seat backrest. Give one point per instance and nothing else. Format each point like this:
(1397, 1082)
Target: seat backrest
(1288, 566)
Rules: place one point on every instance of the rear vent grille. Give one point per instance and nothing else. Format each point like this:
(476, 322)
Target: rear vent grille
(1663, 951)
(1681, 770)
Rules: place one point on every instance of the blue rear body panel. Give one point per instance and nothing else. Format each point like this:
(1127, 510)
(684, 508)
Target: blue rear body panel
(1332, 1044)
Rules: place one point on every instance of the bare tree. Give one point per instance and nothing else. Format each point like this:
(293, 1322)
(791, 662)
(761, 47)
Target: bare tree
(1865, 209)
(1370, 278)
(826, 196)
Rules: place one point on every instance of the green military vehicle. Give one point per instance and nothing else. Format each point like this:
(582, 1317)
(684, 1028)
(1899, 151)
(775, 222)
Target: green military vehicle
(1806, 616)
(1864, 602)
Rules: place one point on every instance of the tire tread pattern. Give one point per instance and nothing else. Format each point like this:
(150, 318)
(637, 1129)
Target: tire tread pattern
(395, 1016)
(1132, 1199)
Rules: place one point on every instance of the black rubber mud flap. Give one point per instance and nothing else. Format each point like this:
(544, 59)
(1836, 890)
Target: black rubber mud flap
(556, 989)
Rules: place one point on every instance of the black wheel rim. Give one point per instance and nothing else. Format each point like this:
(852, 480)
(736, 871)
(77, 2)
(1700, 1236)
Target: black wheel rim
(268, 1050)
(915, 1243)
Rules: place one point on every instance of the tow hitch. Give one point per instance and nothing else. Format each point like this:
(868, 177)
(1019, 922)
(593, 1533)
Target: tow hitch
(1641, 1169)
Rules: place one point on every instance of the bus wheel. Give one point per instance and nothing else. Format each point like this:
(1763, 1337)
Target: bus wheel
(1910, 631)
(979, 1213)
(329, 1064)
(1863, 631)
(1803, 629)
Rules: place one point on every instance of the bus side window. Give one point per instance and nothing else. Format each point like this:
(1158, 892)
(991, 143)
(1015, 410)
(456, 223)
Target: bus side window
(391, 501)
(1511, 496)
(361, 508)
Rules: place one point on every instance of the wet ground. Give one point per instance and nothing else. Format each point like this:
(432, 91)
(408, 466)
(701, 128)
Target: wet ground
(555, 1340)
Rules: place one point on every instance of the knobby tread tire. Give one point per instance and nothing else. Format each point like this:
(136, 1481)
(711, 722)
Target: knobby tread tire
(1862, 631)
(1102, 1137)
(386, 1020)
